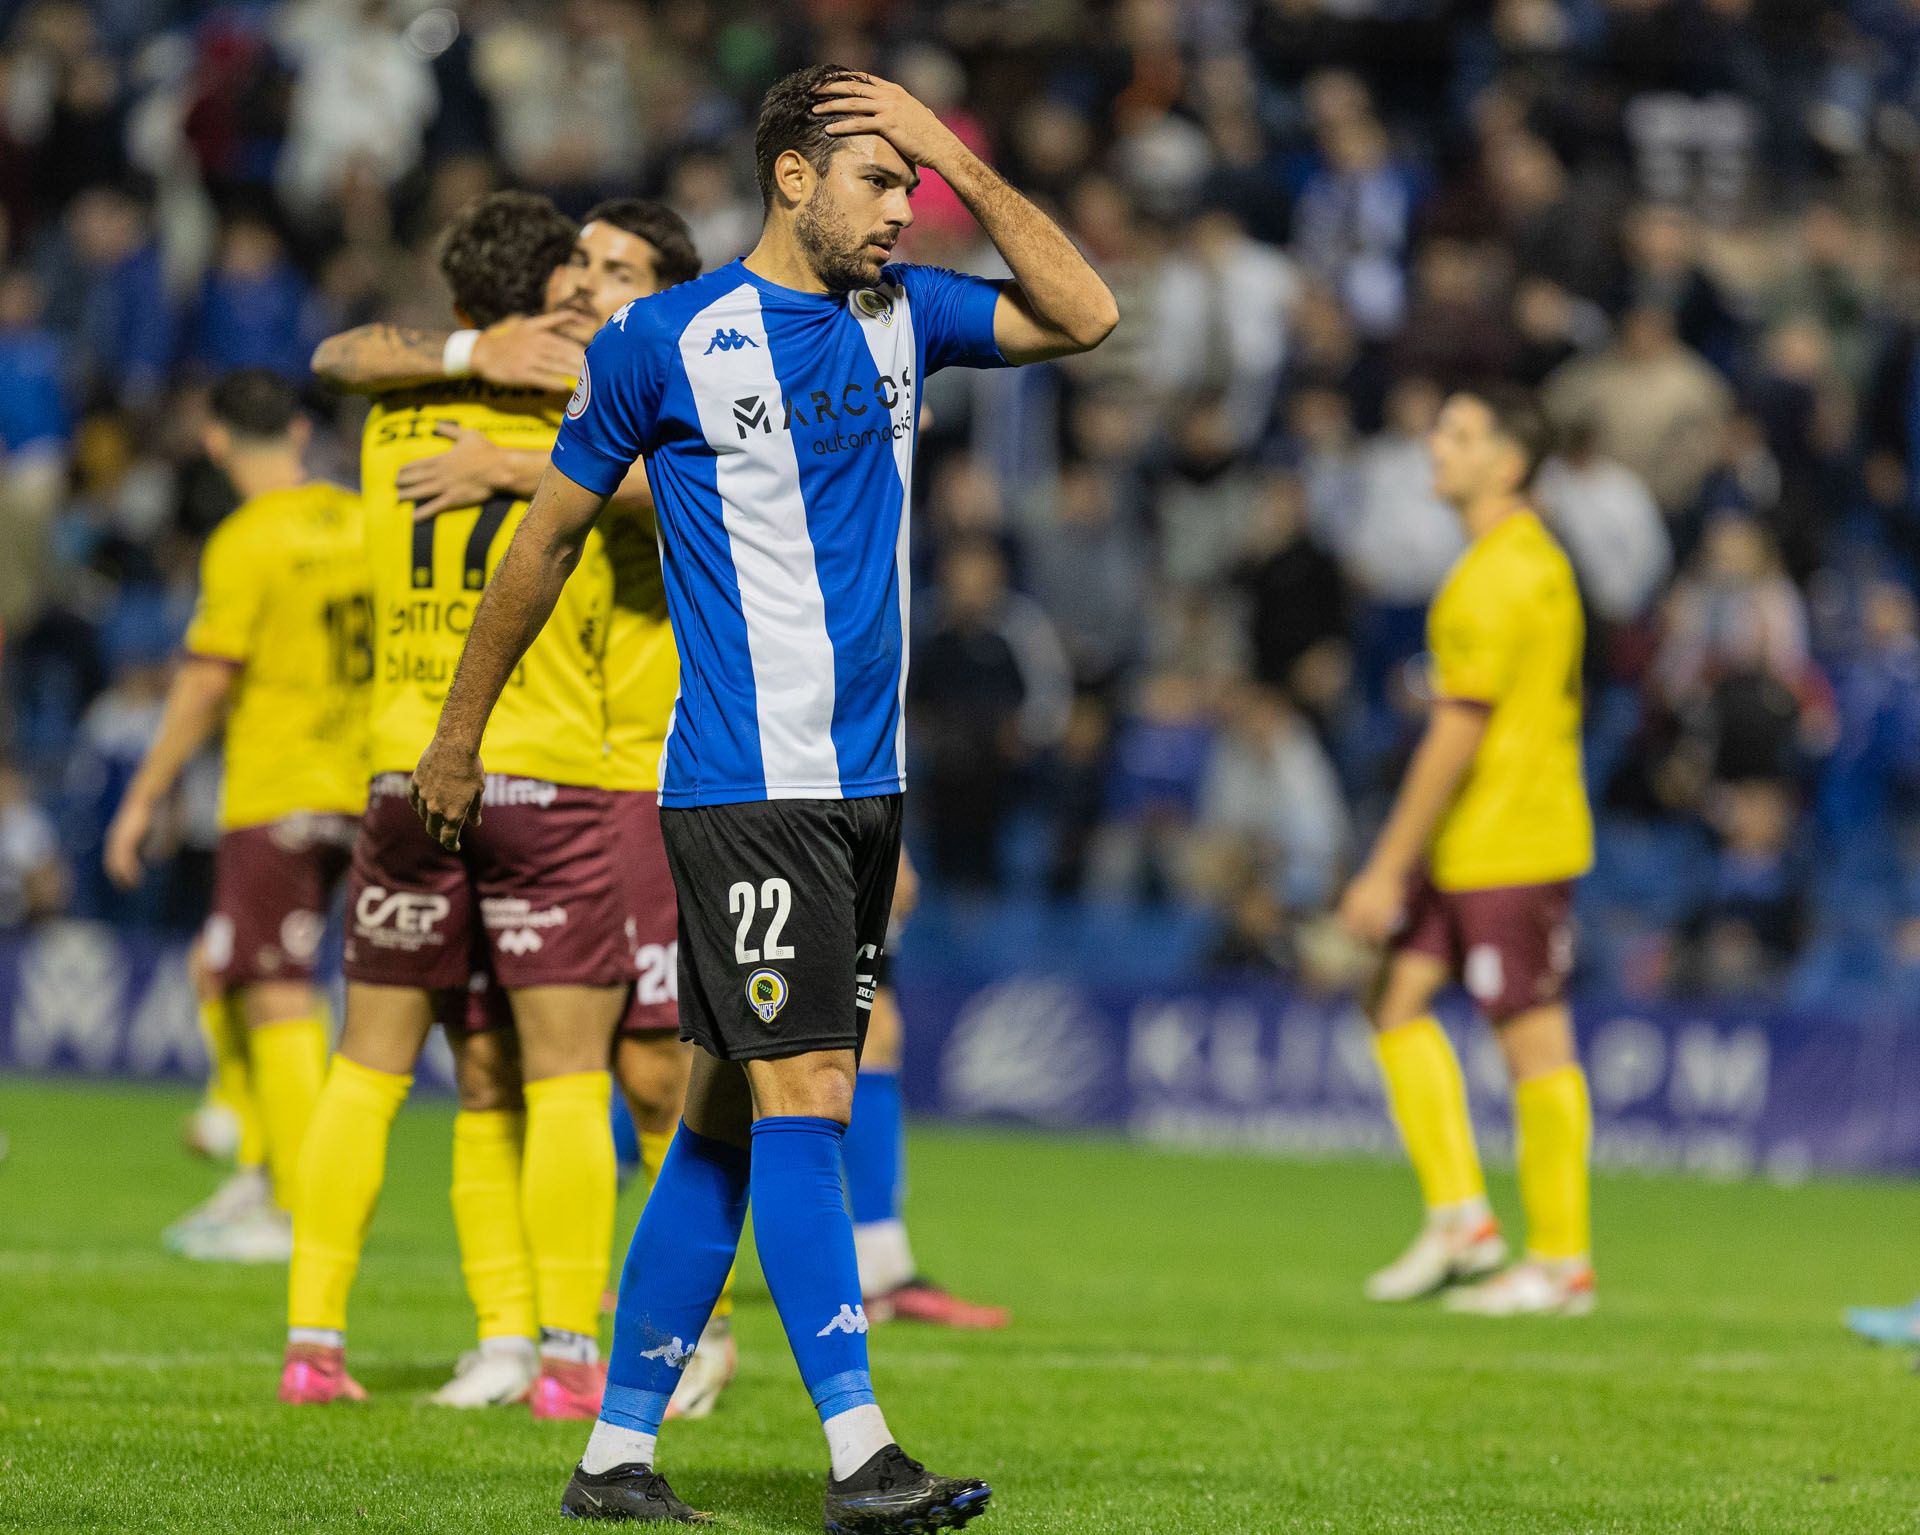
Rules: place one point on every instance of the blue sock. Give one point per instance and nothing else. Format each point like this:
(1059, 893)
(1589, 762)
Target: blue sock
(805, 1240)
(673, 1275)
(626, 1138)
(875, 1149)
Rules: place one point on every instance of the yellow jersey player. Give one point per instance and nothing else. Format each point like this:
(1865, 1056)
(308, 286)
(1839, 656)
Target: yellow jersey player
(534, 898)
(281, 643)
(626, 249)
(1471, 880)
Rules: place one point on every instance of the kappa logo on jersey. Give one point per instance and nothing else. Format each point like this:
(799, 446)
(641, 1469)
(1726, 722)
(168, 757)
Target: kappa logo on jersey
(402, 912)
(767, 993)
(674, 1353)
(852, 1319)
(582, 392)
(875, 304)
(620, 314)
(729, 340)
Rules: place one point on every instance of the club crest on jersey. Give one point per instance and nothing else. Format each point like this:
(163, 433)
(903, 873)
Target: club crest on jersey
(767, 993)
(875, 304)
(577, 403)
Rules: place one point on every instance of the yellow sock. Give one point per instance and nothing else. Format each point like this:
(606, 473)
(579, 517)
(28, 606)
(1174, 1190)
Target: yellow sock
(289, 1066)
(567, 1195)
(342, 1166)
(1428, 1097)
(486, 1214)
(653, 1151)
(229, 1082)
(1553, 1123)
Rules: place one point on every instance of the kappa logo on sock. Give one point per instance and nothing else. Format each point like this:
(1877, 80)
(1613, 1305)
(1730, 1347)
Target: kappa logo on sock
(852, 1319)
(674, 1353)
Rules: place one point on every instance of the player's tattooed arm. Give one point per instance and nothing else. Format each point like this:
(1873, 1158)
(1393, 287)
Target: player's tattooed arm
(545, 548)
(476, 467)
(521, 352)
(1057, 304)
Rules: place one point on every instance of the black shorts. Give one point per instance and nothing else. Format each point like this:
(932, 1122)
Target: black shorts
(783, 917)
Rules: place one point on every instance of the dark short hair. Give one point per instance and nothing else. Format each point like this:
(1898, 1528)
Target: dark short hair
(253, 402)
(499, 252)
(787, 122)
(660, 227)
(1517, 416)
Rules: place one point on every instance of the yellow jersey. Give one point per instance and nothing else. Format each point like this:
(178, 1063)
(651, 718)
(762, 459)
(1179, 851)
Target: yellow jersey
(642, 665)
(427, 579)
(283, 596)
(1507, 631)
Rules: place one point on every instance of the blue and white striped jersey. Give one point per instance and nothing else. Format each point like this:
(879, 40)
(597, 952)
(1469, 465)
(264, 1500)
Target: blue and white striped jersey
(778, 429)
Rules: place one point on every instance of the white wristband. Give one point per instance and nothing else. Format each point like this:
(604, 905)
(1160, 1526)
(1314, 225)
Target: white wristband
(457, 360)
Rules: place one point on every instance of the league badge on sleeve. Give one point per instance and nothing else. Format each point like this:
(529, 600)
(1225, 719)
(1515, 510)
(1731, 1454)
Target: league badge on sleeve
(767, 993)
(577, 404)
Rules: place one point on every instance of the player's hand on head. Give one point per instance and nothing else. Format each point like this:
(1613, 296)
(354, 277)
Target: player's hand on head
(126, 836)
(446, 791)
(1373, 905)
(530, 352)
(445, 482)
(864, 103)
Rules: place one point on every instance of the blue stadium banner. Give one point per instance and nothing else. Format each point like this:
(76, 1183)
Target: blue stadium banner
(1721, 1088)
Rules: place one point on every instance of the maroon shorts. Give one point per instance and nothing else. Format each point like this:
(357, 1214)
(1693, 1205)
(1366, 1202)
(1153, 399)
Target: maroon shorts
(532, 897)
(272, 888)
(1511, 947)
(655, 914)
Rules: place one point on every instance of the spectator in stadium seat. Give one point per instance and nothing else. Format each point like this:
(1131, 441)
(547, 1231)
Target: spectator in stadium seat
(1612, 530)
(1353, 221)
(989, 691)
(1222, 307)
(1733, 611)
(106, 294)
(1664, 271)
(34, 428)
(1296, 595)
(33, 877)
(1270, 794)
(1086, 568)
(253, 310)
(1457, 327)
(1749, 925)
(1404, 538)
(1655, 404)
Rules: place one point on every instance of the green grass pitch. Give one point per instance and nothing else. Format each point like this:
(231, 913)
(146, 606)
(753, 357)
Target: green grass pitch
(1190, 1353)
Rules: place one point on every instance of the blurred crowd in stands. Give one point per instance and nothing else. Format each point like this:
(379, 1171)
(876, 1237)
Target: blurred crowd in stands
(1169, 600)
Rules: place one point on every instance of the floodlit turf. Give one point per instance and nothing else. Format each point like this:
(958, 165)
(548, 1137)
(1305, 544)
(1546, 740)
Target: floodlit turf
(1190, 1353)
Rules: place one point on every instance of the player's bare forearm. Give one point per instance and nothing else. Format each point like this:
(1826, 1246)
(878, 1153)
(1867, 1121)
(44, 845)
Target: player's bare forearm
(372, 358)
(195, 702)
(1065, 305)
(1440, 765)
(517, 473)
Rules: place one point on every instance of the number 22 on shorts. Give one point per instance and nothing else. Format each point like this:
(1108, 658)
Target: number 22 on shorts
(776, 895)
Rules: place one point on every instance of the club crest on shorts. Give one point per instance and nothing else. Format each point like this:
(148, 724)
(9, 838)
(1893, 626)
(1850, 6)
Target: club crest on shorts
(767, 993)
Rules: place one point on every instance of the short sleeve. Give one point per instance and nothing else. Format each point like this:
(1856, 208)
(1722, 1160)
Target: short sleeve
(610, 418)
(1472, 636)
(232, 594)
(952, 316)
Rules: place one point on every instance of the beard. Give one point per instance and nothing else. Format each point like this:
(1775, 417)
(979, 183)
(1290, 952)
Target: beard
(836, 253)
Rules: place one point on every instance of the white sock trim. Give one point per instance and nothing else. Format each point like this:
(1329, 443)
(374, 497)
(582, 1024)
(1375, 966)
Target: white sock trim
(884, 1255)
(511, 1343)
(854, 1437)
(611, 1445)
(319, 1337)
